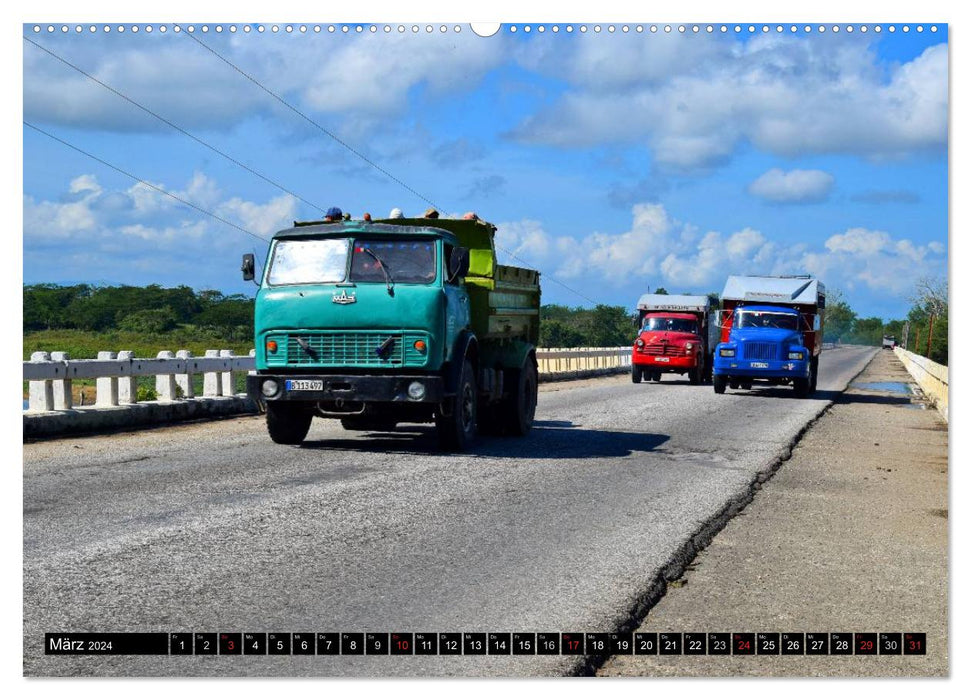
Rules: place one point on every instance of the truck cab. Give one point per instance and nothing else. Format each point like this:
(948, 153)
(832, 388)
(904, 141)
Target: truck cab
(673, 337)
(405, 320)
(771, 332)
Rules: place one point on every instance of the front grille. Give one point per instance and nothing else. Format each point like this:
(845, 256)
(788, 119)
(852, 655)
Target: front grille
(352, 349)
(760, 351)
(663, 349)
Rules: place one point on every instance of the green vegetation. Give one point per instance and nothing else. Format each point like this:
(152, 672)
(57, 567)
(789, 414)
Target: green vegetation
(601, 326)
(930, 298)
(150, 310)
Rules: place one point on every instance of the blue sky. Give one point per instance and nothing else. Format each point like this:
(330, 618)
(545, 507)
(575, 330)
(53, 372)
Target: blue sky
(615, 163)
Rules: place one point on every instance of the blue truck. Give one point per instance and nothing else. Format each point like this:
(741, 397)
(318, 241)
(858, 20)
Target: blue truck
(771, 331)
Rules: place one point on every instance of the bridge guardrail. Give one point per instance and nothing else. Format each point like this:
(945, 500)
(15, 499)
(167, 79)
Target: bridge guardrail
(930, 376)
(50, 375)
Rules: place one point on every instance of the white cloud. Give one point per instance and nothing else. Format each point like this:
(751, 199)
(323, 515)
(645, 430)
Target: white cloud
(658, 250)
(792, 187)
(788, 96)
(367, 76)
(123, 235)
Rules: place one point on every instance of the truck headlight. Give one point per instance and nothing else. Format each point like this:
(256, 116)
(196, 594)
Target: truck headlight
(639, 342)
(270, 387)
(689, 346)
(727, 352)
(796, 356)
(416, 391)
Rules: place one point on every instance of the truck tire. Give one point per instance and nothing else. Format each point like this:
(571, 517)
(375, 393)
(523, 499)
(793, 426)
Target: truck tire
(656, 376)
(457, 430)
(636, 373)
(287, 423)
(719, 382)
(696, 373)
(521, 408)
(708, 365)
(802, 387)
(732, 384)
(813, 374)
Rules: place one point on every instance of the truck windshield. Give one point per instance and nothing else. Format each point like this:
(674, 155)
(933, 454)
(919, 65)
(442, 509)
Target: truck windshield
(308, 261)
(406, 261)
(680, 325)
(767, 319)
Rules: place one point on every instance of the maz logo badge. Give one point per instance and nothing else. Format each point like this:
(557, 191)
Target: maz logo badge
(343, 298)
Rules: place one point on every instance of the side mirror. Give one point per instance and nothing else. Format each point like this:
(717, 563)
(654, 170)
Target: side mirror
(458, 264)
(249, 267)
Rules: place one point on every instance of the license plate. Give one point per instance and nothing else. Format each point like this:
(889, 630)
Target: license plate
(305, 385)
(760, 365)
(662, 359)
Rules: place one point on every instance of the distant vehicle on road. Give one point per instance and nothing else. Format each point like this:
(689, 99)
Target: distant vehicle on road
(889, 342)
(674, 337)
(400, 320)
(772, 330)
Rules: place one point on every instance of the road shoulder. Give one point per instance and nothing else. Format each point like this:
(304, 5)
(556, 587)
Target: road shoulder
(849, 536)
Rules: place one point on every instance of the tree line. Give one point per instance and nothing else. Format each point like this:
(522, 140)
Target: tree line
(150, 310)
(923, 331)
(154, 309)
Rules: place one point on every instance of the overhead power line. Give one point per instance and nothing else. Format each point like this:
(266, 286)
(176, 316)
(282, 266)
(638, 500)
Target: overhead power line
(178, 128)
(296, 111)
(145, 182)
(357, 153)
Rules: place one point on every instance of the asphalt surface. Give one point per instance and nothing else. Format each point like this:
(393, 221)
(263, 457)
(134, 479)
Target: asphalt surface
(849, 536)
(212, 527)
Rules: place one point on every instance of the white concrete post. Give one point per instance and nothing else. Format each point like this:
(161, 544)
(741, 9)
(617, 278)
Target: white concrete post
(107, 386)
(229, 385)
(63, 399)
(127, 386)
(212, 383)
(185, 380)
(41, 393)
(165, 383)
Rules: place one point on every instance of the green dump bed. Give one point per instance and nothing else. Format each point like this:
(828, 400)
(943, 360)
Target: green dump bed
(504, 300)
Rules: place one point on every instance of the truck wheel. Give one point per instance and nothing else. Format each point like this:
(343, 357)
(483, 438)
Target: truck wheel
(732, 384)
(802, 387)
(287, 423)
(719, 382)
(457, 431)
(656, 376)
(745, 385)
(695, 374)
(813, 374)
(636, 373)
(708, 373)
(522, 406)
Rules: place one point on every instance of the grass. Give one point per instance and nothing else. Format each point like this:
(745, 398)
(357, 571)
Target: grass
(84, 345)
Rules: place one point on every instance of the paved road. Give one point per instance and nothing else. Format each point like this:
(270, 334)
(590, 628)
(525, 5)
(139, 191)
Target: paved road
(211, 527)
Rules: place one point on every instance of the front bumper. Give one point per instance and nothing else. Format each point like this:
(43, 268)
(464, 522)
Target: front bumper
(663, 362)
(365, 388)
(781, 369)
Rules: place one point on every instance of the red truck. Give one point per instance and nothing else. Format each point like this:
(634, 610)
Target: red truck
(674, 337)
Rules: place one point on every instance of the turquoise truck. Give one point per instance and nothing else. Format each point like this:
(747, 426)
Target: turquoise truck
(377, 323)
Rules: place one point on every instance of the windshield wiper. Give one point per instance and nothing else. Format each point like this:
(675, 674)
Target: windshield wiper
(384, 268)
